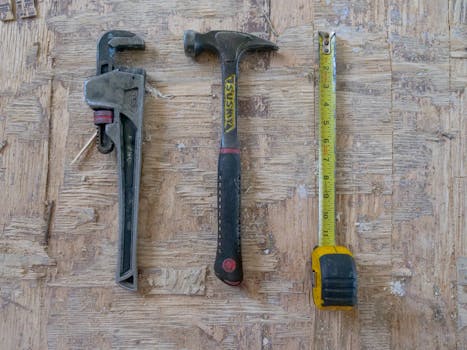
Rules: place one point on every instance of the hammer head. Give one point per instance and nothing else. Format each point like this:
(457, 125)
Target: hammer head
(228, 44)
(110, 43)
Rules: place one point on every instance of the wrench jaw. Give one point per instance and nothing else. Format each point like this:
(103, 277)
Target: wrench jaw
(117, 97)
(115, 41)
(108, 45)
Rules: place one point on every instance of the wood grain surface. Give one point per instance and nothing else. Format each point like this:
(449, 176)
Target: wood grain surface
(401, 178)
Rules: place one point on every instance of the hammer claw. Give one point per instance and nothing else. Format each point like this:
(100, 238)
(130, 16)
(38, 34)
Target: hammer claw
(230, 45)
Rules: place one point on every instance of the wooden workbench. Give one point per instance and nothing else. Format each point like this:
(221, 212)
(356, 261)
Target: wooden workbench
(401, 178)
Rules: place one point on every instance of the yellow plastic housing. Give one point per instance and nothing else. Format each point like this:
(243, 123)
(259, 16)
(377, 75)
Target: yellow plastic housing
(346, 276)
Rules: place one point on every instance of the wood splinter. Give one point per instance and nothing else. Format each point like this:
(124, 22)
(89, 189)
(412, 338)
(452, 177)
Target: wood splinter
(84, 149)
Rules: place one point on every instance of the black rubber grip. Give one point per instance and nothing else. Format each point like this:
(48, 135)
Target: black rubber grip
(228, 264)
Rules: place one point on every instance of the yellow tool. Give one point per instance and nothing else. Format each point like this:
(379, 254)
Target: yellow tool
(334, 271)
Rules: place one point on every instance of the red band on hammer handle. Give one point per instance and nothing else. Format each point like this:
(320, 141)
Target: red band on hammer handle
(229, 151)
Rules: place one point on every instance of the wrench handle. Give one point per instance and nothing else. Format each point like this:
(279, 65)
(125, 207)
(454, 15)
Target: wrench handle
(129, 160)
(228, 264)
(118, 99)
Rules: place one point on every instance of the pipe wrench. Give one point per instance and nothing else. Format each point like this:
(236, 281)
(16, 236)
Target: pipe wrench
(116, 94)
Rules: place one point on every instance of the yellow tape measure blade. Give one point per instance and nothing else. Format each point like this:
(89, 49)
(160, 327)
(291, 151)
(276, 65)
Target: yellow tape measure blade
(327, 139)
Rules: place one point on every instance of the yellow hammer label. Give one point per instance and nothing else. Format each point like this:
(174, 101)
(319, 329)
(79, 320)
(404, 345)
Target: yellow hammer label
(229, 104)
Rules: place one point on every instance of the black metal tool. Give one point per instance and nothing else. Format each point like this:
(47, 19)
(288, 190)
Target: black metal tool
(116, 94)
(230, 46)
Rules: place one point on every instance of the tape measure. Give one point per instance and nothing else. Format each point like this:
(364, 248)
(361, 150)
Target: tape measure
(334, 272)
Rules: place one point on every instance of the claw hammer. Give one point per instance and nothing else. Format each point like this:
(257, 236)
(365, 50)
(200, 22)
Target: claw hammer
(230, 46)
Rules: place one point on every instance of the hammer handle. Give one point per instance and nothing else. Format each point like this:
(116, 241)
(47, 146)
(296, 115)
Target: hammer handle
(228, 264)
